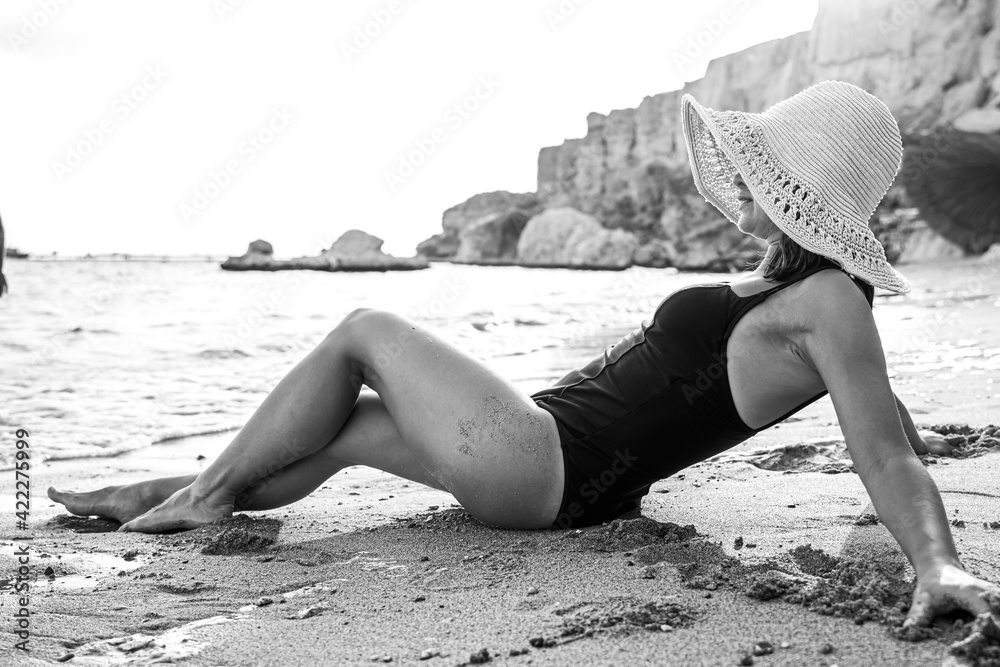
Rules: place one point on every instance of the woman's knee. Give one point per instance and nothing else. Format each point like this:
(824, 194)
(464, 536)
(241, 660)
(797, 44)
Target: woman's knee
(355, 320)
(373, 339)
(356, 328)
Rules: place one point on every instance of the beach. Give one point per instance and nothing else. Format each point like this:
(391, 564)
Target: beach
(533, 202)
(372, 569)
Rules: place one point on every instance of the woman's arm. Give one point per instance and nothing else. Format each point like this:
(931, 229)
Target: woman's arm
(843, 346)
(916, 442)
(922, 442)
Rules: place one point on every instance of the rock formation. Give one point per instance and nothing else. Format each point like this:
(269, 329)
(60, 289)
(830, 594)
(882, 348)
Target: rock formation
(565, 237)
(357, 251)
(492, 239)
(475, 209)
(353, 251)
(924, 244)
(935, 63)
(953, 178)
(905, 236)
(258, 257)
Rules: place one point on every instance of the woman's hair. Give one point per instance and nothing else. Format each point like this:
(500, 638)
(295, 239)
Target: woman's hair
(791, 259)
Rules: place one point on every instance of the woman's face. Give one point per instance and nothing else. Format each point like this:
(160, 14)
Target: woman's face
(752, 218)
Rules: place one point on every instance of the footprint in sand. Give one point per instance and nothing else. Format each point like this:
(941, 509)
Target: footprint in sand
(827, 455)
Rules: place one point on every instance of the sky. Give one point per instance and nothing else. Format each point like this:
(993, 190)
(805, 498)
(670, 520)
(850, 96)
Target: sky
(197, 126)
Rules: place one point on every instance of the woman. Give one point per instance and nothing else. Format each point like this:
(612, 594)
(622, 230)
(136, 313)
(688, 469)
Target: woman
(716, 364)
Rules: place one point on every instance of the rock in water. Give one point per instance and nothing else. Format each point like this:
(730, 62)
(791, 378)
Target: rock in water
(548, 238)
(439, 246)
(355, 243)
(610, 248)
(492, 239)
(260, 246)
(927, 245)
(357, 251)
(656, 254)
(353, 251)
(258, 257)
(565, 237)
(488, 205)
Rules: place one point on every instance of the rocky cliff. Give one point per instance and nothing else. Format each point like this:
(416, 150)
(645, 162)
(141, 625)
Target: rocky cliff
(935, 63)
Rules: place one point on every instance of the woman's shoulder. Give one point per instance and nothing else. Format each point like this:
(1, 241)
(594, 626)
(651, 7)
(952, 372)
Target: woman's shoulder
(830, 300)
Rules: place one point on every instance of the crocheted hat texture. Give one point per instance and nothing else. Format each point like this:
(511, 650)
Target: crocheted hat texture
(818, 164)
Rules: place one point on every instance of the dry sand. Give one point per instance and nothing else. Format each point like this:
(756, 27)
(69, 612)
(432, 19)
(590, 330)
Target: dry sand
(373, 567)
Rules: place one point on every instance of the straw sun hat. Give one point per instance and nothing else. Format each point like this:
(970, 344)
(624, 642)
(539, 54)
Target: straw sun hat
(818, 164)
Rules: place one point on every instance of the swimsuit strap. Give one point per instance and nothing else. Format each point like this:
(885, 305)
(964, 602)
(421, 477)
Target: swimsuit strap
(802, 276)
(749, 302)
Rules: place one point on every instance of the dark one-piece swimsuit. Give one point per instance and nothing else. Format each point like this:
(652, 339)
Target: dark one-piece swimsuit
(655, 402)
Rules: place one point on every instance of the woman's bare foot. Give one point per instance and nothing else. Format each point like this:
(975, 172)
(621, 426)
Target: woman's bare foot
(181, 511)
(121, 503)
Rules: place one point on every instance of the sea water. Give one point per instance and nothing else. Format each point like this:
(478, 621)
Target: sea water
(98, 358)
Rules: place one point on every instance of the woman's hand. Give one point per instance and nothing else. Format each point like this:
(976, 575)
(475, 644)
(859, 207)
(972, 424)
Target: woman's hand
(935, 443)
(945, 588)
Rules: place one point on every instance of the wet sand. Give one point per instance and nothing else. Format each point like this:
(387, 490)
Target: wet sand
(771, 542)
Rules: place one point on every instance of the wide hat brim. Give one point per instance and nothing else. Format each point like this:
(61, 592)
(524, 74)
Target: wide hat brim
(722, 143)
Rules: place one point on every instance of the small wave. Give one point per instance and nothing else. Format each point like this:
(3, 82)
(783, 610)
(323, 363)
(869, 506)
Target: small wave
(180, 435)
(222, 354)
(275, 347)
(129, 444)
(79, 329)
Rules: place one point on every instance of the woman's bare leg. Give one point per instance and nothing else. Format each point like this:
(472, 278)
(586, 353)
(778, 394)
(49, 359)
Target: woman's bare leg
(465, 428)
(121, 503)
(369, 428)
